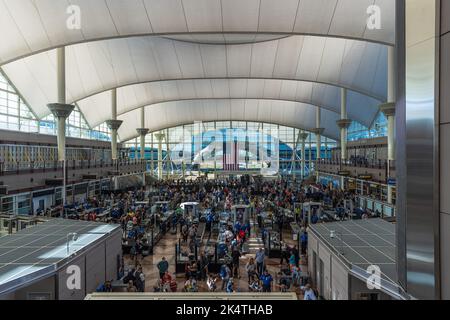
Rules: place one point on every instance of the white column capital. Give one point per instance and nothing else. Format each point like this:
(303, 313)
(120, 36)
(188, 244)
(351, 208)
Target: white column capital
(114, 124)
(388, 109)
(142, 131)
(61, 110)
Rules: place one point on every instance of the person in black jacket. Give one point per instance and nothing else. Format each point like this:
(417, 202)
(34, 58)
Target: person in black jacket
(296, 255)
(203, 266)
(236, 255)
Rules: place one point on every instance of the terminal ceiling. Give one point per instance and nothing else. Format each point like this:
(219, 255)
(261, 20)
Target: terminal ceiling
(201, 60)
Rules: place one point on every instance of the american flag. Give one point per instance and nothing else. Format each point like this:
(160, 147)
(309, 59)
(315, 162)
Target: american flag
(230, 157)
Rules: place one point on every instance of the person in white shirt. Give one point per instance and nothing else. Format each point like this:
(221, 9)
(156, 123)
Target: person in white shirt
(211, 282)
(308, 292)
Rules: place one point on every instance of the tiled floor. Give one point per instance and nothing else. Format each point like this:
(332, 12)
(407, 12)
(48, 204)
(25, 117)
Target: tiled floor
(166, 248)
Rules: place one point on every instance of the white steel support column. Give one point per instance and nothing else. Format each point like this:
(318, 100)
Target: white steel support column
(168, 163)
(61, 111)
(136, 154)
(318, 131)
(389, 111)
(303, 136)
(294, 151)
(142, 131)
(152, 165)
(344, 124)
(310, 154)
(114, 124)
(160, 138)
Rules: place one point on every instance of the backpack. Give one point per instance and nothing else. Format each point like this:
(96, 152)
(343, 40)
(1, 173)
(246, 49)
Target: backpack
(223, 272)
(316, 293)
(129, 276)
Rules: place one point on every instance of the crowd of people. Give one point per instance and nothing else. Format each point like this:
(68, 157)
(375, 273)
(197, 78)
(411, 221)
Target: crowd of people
(218, 196)
(215, 197)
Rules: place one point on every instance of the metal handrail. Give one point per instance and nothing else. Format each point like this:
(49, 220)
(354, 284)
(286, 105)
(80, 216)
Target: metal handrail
(31, 166)
(358, 163)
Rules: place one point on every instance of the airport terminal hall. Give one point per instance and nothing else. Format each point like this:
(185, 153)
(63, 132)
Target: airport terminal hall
(194, 150)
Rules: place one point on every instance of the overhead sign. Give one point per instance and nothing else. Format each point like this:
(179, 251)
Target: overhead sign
(392, 181)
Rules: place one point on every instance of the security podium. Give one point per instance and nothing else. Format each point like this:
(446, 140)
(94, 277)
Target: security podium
(240, 213)
(162, 218)
(191, 210)
(309, 209)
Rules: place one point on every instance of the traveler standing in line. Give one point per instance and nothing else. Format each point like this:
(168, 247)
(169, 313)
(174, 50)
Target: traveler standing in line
(304, 242)
(236, 255)
(163, 267)
(230, 286)
(259, 258)
(203, 266)
(225, 274)
(297, 256)
(267, 281)
(250, 267)
(140, 279)
(292, 261)
(131, 287)
(284, 252)
(309, 292)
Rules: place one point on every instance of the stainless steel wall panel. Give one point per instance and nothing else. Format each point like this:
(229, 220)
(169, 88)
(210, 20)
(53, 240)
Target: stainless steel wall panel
(418, 190)
(445, 169)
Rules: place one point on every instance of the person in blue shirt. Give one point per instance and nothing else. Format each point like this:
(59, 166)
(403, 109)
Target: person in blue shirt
(247, 227)
(209, 221)
(292, 260)
(105, 287)
(259, 258)
(237, 227)
(304, 242)
(230, 288)
(309, 293)
(266, 280)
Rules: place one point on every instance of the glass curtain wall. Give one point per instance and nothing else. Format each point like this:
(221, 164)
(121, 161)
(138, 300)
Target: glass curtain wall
(194, 144)
(15, 115)
(358, 131)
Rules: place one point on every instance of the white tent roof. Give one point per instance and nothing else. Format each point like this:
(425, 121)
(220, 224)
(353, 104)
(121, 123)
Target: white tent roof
(362, 108)
(30, 26)
(286, 53)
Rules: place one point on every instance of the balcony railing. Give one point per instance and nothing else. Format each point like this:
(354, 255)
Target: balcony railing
(359, 163)
(11, 168)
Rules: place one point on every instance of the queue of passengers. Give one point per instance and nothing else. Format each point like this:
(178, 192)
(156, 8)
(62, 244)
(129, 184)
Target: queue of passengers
(216, 196)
